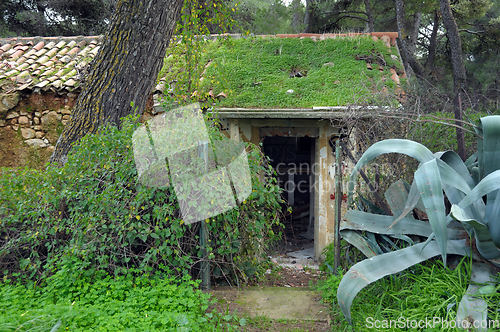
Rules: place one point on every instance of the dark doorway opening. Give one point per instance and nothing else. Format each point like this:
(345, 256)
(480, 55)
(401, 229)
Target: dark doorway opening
(293, 158)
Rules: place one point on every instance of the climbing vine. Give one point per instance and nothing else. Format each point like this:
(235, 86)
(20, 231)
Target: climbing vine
(200, 21)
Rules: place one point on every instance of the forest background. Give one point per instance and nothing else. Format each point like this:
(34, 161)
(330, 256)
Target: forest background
(423, 38)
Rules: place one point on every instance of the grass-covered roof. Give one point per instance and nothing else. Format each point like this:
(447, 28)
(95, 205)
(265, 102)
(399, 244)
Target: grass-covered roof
(258, 72)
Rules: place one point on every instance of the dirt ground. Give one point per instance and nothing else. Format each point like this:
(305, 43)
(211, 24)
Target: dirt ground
(229, 300)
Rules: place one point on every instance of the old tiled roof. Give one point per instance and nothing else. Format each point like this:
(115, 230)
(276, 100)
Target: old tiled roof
(50, 63)
(58, 63)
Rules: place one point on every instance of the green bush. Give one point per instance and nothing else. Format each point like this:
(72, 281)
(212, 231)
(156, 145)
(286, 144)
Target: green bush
(94, 215)
(442, 136)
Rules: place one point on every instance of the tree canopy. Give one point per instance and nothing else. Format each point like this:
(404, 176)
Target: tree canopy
(54, 17)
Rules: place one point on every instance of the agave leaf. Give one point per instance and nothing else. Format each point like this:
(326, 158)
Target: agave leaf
(379, 224)
(412, 201)
(471, 307)
(396, 196)
(374, 268)
(370, 238)
(474, 171)
(404, 238)
(484, 242)
(491, 141)
(375, 223)
(428, 181)
(452, 159)
(480, 160)
(370, 206)
(471, 162)
(457, 182)
(491, 163)
(389, 242)
(489, 184)
(452, 178)
(492, 214)
(358, 241)
(407, 147)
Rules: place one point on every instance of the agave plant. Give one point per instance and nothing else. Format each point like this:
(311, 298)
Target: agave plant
(472, 188)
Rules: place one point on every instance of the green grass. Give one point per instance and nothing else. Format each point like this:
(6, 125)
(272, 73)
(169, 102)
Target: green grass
(423, 292)
(255, 72)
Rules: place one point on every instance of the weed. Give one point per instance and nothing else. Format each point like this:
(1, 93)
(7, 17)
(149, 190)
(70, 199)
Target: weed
(132, 302)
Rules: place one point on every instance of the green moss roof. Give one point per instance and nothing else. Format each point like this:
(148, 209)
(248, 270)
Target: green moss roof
(257, 72)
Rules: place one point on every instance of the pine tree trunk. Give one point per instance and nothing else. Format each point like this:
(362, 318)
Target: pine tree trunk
(369, 15)
(459, 75)
(433, 44)
(125, 69)
(309, 19)
(408, 57)
(296, 16)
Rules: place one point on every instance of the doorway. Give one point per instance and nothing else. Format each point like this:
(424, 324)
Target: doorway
(292, 157)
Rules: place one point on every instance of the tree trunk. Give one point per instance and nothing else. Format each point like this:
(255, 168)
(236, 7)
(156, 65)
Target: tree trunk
(124, 70)
(310, 16)
(296, 16)
(415, 29)
(459, 75)
(433, 44)
(408, 57)
(369, 15)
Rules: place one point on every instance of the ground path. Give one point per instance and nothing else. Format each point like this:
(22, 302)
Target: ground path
(283, 301)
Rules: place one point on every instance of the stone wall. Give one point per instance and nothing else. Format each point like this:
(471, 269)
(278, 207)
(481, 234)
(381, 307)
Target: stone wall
(30, 126)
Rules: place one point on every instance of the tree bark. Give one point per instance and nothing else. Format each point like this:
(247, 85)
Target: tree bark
(459, 74)
(296, 16)
(433, 44)
(369, 15)
(124, 70)
(309, 19)
(408, 57)
(417, 18)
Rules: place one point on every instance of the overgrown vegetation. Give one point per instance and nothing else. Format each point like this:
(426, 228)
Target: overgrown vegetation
(258, 72)
(93, 214)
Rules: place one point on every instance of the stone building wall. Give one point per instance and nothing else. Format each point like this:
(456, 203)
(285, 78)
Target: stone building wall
(30, 125)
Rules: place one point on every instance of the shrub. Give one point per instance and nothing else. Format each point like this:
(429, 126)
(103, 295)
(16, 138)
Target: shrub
(95, 215)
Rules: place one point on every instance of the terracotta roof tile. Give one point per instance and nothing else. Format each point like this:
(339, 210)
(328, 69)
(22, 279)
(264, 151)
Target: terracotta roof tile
(52, 52)
(43, 59)
(5, 47)
(23, 66)
(37, 63)
(57, 84)
(39, 46)
(50, 45)
(60, 44)
(16, 55)
(41, 52)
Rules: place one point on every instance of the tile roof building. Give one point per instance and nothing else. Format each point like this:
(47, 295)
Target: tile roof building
(40, 80)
